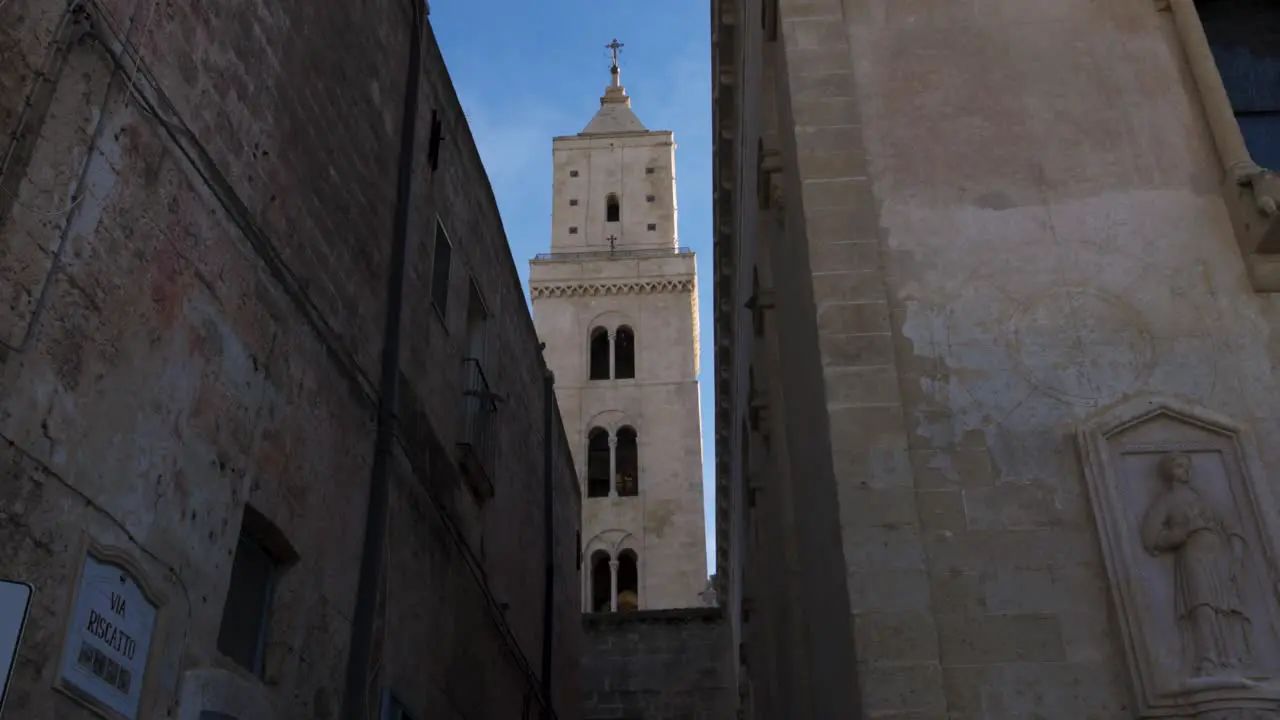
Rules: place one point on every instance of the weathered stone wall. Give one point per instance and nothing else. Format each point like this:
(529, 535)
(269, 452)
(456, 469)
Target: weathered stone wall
(658, 665)
(1002, 223)
(192, 322)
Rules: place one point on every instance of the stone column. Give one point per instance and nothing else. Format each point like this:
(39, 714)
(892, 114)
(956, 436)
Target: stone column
(613, 586)
(613, 353)
(613, 462)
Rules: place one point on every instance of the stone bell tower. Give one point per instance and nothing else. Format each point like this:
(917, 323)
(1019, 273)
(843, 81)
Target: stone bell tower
(615, 301)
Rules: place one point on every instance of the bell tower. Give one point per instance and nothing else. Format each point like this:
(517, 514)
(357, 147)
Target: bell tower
(615, 301)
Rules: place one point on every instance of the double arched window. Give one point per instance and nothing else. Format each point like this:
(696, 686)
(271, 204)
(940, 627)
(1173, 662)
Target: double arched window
(612, 354)
(614, 584)
(613, 464)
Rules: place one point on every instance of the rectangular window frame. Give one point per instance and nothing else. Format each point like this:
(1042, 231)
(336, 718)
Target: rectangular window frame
(440, 283)
(258, 662)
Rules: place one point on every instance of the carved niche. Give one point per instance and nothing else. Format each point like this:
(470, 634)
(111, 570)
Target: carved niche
(1188, 530)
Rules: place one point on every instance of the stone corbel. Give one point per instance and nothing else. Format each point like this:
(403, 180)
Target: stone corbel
(1252, 192)
(771, 178)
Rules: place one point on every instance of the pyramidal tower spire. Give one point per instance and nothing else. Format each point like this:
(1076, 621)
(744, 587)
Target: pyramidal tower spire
(614, 115)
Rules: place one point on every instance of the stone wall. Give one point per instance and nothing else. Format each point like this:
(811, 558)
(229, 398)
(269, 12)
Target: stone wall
(194, 281)
(658, 665)
(979, 345)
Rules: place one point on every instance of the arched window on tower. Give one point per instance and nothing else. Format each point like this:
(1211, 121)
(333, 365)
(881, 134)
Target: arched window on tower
(612, 208)
(624, 354)
(628, 463)
(628, 581)
(599, 354)
(601, 582)
(598, 463)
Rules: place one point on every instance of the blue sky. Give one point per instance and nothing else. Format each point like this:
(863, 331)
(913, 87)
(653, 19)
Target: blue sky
(529, 71)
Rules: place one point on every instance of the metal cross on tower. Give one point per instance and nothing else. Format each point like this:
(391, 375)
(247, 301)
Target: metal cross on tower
(615, 46)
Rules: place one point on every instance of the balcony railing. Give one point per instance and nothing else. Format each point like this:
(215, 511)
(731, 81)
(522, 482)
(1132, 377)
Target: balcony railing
(476, 446)
(635, 254)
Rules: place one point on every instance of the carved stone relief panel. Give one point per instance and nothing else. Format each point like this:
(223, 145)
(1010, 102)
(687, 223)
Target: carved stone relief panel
(1188, 532)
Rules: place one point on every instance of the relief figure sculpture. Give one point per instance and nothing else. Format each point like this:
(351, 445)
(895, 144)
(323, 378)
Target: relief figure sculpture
(1208, 553)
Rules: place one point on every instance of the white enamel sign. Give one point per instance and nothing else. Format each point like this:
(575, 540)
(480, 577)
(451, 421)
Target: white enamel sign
(109, 639)
(15, 599)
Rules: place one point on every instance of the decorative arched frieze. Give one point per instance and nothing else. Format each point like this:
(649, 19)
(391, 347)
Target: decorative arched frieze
(1188, 529)
(621, 287)
(610, 420)
(612, 541)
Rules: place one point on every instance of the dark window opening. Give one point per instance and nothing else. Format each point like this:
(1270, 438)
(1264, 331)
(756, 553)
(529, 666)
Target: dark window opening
(601, 582)
(573, 229)
(573, 173)
(433, 142)
(648, 171)
(573, 201)
(628, 582)
(598, 463)
(1245, 38)
(652, 227)
(612, 209)
(650, 198)
(628, 462)
(255, 568)
(599, 369)
(440, 270)
(624, 354)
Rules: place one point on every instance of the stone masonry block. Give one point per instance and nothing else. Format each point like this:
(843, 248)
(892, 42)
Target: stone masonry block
(866, 426)
(853, 318)
(896, 637)
(876, 507)
(810, 33)
(873, 467)
(853, 220)
(861, 386)
(832, 287)
(952, 470)
(987, 639)
(890, 688)
(942, 511)
(982, 550)
(825, 112)
(823, 194)
(856, 350)
(958, 593)
(1015, 506)
(846, 255)
(808, 86)
(804, 9)
(880, 548)
(892, 590)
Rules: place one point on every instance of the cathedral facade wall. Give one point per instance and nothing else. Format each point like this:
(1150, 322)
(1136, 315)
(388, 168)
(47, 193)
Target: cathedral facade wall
(1005, 277)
